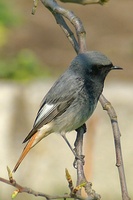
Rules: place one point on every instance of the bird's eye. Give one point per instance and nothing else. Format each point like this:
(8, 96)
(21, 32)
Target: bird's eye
(99, 67)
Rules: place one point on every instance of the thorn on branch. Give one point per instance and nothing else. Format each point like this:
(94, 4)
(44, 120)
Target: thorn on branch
(35, 4)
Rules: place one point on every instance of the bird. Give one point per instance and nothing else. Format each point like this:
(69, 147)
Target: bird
(71, 100)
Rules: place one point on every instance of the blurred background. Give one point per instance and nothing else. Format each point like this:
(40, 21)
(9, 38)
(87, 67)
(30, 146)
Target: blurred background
(33, 53)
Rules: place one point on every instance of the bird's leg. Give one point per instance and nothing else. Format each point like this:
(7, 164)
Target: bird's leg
(79, 145)
(63, 134)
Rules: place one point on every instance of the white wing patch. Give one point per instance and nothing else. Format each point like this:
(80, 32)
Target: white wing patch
(46, 109)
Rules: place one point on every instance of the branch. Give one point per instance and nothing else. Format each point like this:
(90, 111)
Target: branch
(75, 21)
(69, 34)
(116, 133)
(78, 149)
(79, 165)
(85, 2)
(21, 189)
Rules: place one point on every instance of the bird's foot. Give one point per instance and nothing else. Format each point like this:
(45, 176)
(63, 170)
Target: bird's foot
(78, 158)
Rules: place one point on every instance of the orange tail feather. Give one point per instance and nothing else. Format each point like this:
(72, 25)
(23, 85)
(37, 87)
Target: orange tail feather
(25, 151)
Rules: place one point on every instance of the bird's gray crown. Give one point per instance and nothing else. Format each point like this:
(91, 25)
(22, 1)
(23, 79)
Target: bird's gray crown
(97, 58)
(94, 58)
(86, 61)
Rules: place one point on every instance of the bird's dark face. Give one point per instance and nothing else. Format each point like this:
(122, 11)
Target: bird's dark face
(97, 70)
(100, 71)
(99, 65)
(92, 65)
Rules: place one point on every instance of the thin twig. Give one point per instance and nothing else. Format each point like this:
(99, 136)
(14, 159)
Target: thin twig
(69, 34)
(116, 132)
(50, 5)
(80, 166)
(85, 2)
(75, 21)
(78, 149)
(22, 189)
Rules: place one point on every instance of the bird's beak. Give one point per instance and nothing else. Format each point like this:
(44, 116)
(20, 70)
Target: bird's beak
(117, 67)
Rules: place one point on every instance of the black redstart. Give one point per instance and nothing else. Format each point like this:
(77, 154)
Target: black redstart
(71, 100)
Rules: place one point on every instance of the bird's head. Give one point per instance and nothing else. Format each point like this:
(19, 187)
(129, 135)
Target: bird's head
(95, 64)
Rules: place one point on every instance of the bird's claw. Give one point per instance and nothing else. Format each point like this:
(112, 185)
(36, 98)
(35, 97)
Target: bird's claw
(78, 157)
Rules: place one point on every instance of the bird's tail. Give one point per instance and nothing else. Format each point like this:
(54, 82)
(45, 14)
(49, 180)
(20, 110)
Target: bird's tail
(37, 137)
(27, 148)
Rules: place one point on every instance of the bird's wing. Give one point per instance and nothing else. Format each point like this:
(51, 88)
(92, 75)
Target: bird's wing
(56, 101)
(47, 113)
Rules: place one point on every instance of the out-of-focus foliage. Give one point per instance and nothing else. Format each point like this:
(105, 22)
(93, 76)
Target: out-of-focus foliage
(7, 16)
(25, 66)
(3, 35)
(7, 19)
